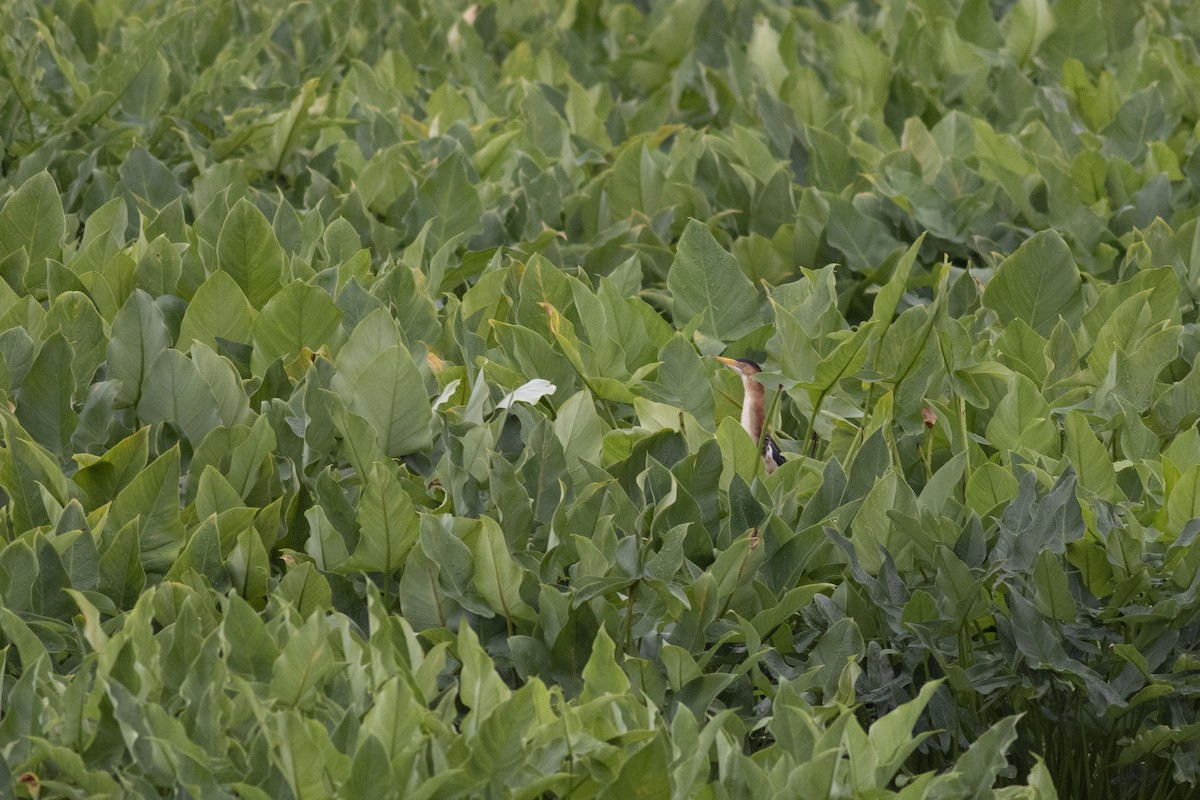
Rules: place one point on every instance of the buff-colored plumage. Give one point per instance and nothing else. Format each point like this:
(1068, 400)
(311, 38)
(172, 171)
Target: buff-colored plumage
(754, 409)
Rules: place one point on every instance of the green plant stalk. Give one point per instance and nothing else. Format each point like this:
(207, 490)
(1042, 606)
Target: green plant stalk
(1161, 784)
(570, 754)
(927, 455)
(812, 422)
(893, 448)
(1080, 763)
(767, 420)
(387, 556)
(964, 647)
(962, 429)
(860, 434)
(629, 602)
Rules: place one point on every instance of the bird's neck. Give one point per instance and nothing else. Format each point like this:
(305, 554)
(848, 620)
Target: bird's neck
(752, 408)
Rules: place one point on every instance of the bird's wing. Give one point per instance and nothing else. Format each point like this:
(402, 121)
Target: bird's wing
(771, 451)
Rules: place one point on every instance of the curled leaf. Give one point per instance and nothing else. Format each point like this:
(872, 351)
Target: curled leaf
(529, 392)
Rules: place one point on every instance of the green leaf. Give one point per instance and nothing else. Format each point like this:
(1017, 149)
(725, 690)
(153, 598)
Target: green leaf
(988, 486)
(251, 649)
(390, 394)
(325, 543)
(891, 735)
(249, 252)
(248, 567)
(219, 308)
(389, 524)
(863, 238)
(121, 574)
(1038, 283)
(202, 554)
(232, 405)
(415, 311)
(1183, 502)
(423, 602)
(683, 381)
(305, 590)
(1089, 457)
(18, 350)
(215, 494)
(480, 688)
(30, 477)
(1029, 526)
(740, 455)
(602, 676)
(153, 497)
(139, 336)
(97, 416)
(841, 644)
(441, 544)
(543, 469)
(44, 404)
(860, 63)
(978, 768)
(29, 648)
(580, 431)
(1029, 23)
(359, 440)
(1022, 421)
(32, 220)
(104, 477)
(706, 281)
(1052, 597)
(497, 576)
(299, 316)
(872, 528)
(122, 67)
(159, 268)
(542, 284)
(884, 307)
(250, 457)
(175, 392)
(302, 667)
(73, 315)
(448, 199)
(846, 359)
(284, 133)
(373, 334)
(644, 773)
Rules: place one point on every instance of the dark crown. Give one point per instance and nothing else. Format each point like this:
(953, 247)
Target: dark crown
(754, 365)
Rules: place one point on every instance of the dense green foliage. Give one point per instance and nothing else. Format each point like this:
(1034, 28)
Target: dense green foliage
(358, 438)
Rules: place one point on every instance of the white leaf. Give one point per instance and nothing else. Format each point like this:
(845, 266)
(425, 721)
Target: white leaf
(530, 392)
(446, 393)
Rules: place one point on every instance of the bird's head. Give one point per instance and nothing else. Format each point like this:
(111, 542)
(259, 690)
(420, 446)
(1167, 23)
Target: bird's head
(741, 365)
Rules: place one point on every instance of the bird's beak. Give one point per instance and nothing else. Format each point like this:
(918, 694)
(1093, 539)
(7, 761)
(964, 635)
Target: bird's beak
(729, 362)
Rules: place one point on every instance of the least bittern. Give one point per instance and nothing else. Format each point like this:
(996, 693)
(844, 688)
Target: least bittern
(754, 409)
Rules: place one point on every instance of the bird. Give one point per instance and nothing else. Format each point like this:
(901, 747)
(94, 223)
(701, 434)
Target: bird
(754, 409)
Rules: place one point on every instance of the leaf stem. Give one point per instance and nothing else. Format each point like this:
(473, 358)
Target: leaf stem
(812, 422)
(629, 601)
(762, 434)
(928, 455)
(962, 429)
